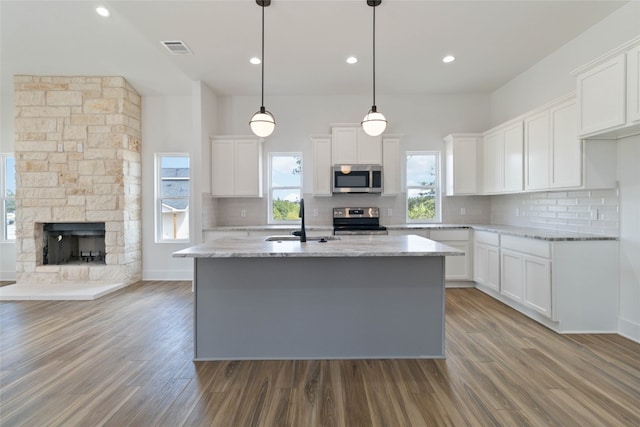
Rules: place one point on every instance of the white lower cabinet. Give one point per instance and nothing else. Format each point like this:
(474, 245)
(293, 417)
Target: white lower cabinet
(486, 259)
(456, 267)
(537, 284)
(511, 274)
(526, 272)
(569, 286)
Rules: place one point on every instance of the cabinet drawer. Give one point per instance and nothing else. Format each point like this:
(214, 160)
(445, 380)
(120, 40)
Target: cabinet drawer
(487, 238)
(528, 246)
(448, 235)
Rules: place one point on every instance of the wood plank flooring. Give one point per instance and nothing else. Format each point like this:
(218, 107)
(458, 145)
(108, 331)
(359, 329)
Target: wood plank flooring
(125, 360)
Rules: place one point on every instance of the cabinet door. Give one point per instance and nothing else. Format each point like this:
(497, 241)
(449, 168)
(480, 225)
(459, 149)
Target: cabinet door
(493, 163)
(369, 148)
(321, 166)
(633, 85)
(493, 268)
(486, 266)
(461, 164)
(566, 147)
(457, 267)
(512, 274)
(344, 145)
(536, 143)
(537, 284)
(601, 96)
(248, 166)
(222, 167)
(391, 166)
(513, 153)
(480, 263)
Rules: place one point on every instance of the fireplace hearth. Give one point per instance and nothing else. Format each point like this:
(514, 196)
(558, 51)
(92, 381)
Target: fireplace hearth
(73, 243)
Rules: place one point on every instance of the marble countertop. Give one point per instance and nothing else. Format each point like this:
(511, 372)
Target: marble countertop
(347, 246)
(511, 230)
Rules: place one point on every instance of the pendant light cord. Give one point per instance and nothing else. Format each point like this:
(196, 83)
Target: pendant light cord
(262, 86)
(374, 57)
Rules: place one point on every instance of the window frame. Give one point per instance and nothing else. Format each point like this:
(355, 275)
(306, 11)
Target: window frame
(4, 157)
(270, 219)
(157, 204)
(437, 187)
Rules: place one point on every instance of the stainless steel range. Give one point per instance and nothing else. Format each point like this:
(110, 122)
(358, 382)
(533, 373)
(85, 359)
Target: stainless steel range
(350, 221)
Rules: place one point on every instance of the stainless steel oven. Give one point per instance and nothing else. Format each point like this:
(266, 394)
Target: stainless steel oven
(357, 221)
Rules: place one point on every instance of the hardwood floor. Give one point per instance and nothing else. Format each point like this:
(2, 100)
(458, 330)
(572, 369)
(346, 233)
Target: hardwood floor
(125, 359)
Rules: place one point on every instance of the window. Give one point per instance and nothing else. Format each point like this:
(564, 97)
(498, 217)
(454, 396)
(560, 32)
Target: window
(172, 197)
(423, 186)
(285, 186)
(8, 188)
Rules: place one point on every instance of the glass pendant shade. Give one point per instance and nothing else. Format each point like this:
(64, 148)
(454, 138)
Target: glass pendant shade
(262, 123)
(374, 123)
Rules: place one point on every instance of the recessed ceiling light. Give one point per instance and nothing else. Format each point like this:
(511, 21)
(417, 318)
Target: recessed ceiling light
(352, 60)
(255, 60)
(103, 11)
(448, 58)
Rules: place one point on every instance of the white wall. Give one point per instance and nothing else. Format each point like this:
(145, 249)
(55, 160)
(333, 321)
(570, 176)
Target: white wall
(179, 124)
(549, 79)
(166, 127)
(7, 248)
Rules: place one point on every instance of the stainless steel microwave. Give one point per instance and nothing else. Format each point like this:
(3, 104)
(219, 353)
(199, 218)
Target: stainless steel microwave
(357, 179)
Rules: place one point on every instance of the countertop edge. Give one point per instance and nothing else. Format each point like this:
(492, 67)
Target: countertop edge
(509, 230)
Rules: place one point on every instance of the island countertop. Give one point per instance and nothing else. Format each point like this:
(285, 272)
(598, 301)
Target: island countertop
(347, 246)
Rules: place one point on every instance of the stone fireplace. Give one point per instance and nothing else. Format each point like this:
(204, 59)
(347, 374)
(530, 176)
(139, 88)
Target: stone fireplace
(78, 180)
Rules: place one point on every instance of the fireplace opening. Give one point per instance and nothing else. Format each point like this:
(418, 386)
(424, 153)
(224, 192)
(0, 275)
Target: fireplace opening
(73, 243)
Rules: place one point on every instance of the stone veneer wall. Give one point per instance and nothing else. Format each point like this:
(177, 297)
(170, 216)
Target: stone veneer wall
(77, 150)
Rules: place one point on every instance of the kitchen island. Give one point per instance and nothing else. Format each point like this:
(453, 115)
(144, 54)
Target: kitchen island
(358, 297)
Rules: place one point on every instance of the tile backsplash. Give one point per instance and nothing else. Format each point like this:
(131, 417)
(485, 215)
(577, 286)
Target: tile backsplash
(584, 211)
(229, 211)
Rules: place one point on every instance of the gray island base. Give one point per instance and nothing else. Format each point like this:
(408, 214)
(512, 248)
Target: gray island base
(360, 297)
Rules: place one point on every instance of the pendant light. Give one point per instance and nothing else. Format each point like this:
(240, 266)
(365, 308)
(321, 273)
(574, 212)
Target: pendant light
(374, 122)
(262, 123)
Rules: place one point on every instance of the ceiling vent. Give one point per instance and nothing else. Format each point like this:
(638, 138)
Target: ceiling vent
(177, 47)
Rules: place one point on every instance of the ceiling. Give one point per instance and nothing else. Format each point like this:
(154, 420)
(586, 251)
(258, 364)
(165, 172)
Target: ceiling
(306, 43)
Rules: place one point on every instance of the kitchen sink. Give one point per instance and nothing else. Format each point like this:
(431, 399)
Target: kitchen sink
(295, 238)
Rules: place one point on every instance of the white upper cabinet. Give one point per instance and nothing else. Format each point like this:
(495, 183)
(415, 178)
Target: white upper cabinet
(391, 165)
(321, 165)
(609, 95)
(236, 167)
(633, 85)
(601, 92)
(566, 148)
(461, 160)
(352, 146)
(555, 157)
(502, 159)
(536, 149)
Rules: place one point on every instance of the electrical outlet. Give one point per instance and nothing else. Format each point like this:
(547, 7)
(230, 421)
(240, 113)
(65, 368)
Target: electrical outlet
(80, 148)
(463, 211)
(389, 212)
(60, 148)
(243, 213)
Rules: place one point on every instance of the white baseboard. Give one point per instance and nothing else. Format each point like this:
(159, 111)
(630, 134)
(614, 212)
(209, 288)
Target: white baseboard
(8, 276)
(167, 275)
(629, 329)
